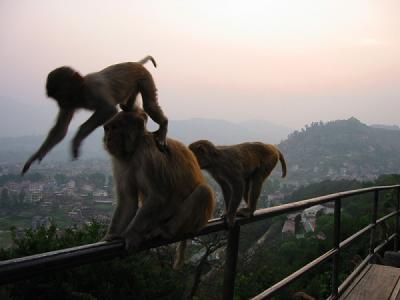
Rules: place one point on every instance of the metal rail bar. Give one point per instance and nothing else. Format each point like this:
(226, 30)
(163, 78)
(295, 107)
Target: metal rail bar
(397, 241)
(26, 267)
(355, 236)
(384, 218)
(303, 204)
(296, 275)
(382, 245)
(231, 262)
(354, 274)
(373, 222)
(336, 246)
(362, 265)
(278, 286)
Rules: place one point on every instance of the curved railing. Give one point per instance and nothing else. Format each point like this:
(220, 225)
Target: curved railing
(26, 267)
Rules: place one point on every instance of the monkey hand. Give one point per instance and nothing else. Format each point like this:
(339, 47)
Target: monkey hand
(126, 108)
(132, 241)
(109, 237)
(229, 221)
(29, 162)
(161, 141)
(245, 212)
(75, 148)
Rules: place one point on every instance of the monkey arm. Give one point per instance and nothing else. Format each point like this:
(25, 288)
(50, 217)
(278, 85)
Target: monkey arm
(227, 193)
(127, 206)
(147, 219)
(233, 192)
(98, 118)
(55, 135)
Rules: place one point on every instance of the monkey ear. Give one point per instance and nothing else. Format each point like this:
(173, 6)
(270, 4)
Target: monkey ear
(78, 79)
(208, 149)
(144, 119)
(142, 123)
(201, 149)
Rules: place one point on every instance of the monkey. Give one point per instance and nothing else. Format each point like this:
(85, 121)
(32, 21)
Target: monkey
(100, 92)
(240, 170)
(173, 194)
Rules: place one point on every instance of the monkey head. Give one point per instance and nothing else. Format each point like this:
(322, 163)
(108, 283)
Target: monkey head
(64, 85)
(205, 152)
(123, 131)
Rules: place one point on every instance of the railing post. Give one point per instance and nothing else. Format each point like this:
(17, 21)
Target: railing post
(397, 239)
(373, 222)
(230, 263)
(336, 246)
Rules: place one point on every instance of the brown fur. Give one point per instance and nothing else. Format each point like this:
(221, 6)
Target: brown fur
(174, 195)
(240, 170)
(100, 92)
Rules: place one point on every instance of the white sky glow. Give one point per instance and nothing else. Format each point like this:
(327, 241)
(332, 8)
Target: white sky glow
(291, 62)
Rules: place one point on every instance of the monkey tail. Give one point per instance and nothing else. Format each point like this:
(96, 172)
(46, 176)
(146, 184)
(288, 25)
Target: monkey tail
(146, 59)
(180, 255)
(283, 163)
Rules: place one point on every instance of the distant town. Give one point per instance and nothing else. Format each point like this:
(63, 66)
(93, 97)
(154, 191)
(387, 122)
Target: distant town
(62, 192)
(75, 193)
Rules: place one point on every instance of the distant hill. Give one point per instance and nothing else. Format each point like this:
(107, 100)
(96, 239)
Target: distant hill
(18, 149)
(343, 149)
(224, 132)
(390, 127)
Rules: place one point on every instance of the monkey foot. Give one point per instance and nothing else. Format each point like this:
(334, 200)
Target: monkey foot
(245, 212)
(161, 144)
(229, 220)
(132, 242)
(111, 237)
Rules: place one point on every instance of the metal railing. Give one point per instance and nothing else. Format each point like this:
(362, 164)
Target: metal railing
(26, 267)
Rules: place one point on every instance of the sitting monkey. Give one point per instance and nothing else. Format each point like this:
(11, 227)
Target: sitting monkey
(101, 92)
(172, 191)
(240, 170)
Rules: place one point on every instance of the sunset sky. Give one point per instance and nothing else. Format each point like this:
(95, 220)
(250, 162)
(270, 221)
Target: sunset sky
(290, 62)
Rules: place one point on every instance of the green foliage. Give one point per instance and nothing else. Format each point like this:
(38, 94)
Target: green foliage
(284, 255)
(146, 275)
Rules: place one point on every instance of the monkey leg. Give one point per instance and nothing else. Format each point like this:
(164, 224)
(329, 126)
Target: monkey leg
(98, 118)
(148, 91)
(227, 194)
(236, 189)
(125, 211)
(130, 103)
(147, 219)
(180, 255)
(255, 190)
(192, 215)
(246, 194)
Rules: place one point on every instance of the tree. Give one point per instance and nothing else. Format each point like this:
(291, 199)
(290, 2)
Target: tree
(145, 275)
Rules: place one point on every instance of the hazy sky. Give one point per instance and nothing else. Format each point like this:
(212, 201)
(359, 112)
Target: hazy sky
(287, 61)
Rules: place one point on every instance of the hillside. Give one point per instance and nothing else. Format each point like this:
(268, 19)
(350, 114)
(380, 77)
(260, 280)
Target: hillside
(18, 149)
(224, 132)
(343, 149)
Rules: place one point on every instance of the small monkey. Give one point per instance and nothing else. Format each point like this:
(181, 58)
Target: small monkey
(100, 92)
(170, 187)
(240, 170)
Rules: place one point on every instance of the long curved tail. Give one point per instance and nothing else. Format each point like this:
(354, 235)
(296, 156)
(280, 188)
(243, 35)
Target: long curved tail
(146, 59)
(283, 163)
(180, 255)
